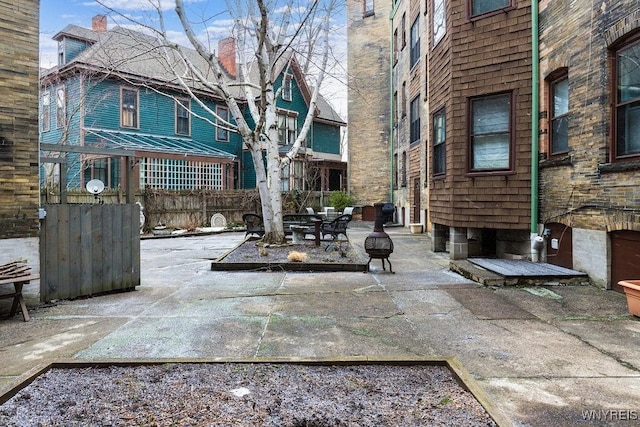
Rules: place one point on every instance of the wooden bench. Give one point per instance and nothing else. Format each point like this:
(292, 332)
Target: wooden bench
(17, 274)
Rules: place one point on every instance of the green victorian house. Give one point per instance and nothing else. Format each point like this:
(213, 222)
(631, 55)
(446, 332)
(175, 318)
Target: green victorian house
(114, 91)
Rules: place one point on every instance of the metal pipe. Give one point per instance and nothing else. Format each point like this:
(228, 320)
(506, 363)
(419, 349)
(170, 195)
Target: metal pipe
(535, 112)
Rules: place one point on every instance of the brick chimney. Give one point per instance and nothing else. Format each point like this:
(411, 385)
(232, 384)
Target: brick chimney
(227, 55)
(99, 23)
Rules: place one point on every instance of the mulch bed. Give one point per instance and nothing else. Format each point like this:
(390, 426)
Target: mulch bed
(251, 254)
(246, 394)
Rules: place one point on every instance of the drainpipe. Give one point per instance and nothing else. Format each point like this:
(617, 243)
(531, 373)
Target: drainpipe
(391, 141)
(536, 245)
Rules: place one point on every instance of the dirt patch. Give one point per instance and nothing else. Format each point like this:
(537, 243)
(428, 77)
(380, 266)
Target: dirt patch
(246, 394)
(341, 252)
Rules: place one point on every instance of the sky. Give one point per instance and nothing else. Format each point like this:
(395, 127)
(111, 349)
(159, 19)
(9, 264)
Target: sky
(212, 15)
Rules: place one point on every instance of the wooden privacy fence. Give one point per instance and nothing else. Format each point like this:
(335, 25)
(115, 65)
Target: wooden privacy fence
(188, 209)
(89, 249)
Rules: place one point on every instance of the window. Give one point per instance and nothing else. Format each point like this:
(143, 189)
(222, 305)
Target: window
(222, 134)
(403, 106)
(403, 170)
(439, 20)
(368, 8)
(129, 108)
(395, 170)
(414, 117)
(480, 7)
(183, 118)
(559, 110)
(415, 42)
(627, 96)
(287, 84)
(439, 147)
(61, 107)
(395, 46)
(60, 53)
(174, 174)
(403, 26)
(45, 111)
(395, 109)
(490, 133)
(287, 129)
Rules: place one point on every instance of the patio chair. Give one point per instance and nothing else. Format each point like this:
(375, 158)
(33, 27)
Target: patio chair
(336, 227)
(310, 211)
(254, 224)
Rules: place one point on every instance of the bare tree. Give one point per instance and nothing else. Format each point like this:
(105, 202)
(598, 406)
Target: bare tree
(270, 36)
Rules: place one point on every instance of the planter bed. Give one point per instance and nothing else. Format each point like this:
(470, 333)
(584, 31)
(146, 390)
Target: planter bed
(258, 392)
(248, 256)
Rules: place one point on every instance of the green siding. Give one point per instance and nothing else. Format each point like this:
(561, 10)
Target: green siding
(73, 48)
(325, 138)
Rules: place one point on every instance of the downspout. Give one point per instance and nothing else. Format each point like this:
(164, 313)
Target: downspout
(391, 110)
(537, 243)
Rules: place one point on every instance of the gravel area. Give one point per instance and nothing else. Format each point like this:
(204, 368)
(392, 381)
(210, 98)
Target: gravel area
(244, 394)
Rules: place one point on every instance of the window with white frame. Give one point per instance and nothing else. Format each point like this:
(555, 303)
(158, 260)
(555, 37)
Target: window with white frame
(61, 107)
(45, 110)
(490, 133)
(414, 40)
(287, 87)
(222, 134)
(61, 52)
(287, 129)
(183, 117)
(174, 174)
(129, 108)
(291, 176)
(439, 20)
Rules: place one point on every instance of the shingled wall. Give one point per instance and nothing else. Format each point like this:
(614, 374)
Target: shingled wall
(19, 118)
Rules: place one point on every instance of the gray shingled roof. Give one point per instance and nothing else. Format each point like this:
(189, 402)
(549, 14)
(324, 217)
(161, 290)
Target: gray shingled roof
(132, 54)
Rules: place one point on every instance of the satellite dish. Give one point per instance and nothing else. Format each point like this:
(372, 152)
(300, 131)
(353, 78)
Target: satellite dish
(95, 186)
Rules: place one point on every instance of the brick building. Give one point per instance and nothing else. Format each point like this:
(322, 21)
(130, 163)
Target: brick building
(590, 137)
(370, 173)
(19, 119)
(409, 111)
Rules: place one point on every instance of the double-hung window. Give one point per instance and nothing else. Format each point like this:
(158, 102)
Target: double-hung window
(368, 8)
(287, 87)
(129, 108)
(490, 133)
(559, 111)
(414, 117)
(45, 110)
(222, 134)
(61, 107)
(414, 40)
(439, 20)
(627, 101)
(287, 129)
(439, 147)
(481, 7)
(183, 118)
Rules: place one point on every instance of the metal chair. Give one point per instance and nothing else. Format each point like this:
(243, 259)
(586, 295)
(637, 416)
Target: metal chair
(336, 227)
